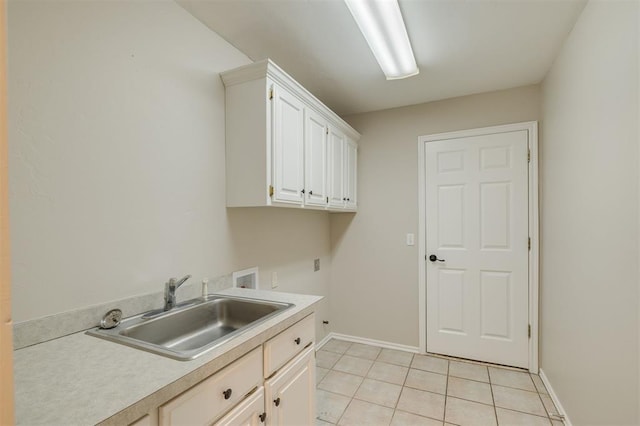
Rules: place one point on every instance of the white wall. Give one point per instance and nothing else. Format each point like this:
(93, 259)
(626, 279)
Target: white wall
(116, 142)
(589, 217)
(374, 273)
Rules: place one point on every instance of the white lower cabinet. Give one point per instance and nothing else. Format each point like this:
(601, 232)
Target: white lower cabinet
(208, 400)
(249, 412)
(272, 384)
(290, 393)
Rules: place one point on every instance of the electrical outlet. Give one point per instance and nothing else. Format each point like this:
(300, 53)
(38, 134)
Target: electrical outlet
(274, 279)
(316, 265)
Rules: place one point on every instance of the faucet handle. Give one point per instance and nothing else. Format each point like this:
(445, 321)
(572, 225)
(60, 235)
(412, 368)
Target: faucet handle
(174, 282)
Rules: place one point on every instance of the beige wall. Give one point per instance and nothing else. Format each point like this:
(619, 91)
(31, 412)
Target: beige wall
(589, 217)
(116, 143)
(374, 275)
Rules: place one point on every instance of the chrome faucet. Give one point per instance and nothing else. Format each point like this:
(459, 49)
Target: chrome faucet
(170, 288)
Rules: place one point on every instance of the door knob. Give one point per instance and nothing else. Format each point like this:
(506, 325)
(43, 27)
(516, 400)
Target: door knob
(434, 258)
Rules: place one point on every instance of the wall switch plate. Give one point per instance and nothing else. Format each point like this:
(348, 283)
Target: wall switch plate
(410, 239)
(316, 265)
(274, 279)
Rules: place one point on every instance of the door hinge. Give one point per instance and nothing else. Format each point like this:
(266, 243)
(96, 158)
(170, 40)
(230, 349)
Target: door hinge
(529, 331)
(270, 94)
(327, 199)
(528, 156)
(529, 244)
(270, 190)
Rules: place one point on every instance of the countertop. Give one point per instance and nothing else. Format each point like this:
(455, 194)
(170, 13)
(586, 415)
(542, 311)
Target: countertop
(82, 380)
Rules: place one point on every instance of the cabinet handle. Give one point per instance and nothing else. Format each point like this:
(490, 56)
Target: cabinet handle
(302, 192)
(297, 340)
(344, 199)
(262, 417)
(277, 402)
(311, 192)
(227, 393)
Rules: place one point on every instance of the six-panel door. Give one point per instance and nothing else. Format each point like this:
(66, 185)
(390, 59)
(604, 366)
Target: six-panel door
(476, 193)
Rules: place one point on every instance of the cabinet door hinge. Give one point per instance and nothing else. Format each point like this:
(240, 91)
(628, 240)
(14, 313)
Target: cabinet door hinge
(529, 244)
(528, 156)
(270, 190)
(327, 199)
(529, 331)
(270, 94)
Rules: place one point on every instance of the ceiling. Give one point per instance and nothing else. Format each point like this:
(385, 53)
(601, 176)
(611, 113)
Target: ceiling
(461, 46)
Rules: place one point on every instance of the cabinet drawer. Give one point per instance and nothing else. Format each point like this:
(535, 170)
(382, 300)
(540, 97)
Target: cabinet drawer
(248, 412)
(208, 400)
(286, 345)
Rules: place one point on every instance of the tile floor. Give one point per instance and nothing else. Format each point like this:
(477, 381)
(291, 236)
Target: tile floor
(366, 385)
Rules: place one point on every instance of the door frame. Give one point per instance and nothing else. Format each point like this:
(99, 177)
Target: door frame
(532, 130)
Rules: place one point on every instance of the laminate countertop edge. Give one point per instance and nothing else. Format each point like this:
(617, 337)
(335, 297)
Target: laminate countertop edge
(82, 380)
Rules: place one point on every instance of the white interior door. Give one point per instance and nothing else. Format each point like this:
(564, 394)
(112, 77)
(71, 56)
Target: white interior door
(476, 208)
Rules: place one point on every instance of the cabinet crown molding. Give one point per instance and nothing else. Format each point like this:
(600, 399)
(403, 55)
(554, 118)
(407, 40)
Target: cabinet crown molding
(267, 68)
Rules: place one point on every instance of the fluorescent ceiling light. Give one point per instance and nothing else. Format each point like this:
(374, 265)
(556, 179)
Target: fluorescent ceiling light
(381, 23)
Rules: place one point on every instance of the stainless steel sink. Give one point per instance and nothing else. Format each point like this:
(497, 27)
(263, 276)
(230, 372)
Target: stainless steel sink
(193, 327)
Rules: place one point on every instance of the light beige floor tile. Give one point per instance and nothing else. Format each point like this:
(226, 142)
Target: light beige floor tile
(514, 418)
(467, 413)
(320, 373)
(380, 393)
(469, 371)
(330, 406)
(519, 400)
(430, 363)
(539, 385)
(423, 403)
(364, 413)
(402, 418)
(388, 373)
(342, 383)
(363, 351)
(326, 359)
(353, 365)
(427, 381)
(392, 356)
(512, 379)
(548, 404)
(337, 346)
(470, 390)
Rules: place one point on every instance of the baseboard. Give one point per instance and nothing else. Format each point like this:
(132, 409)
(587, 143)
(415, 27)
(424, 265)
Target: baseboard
(381, 343)
(554, 398)
(322, 342)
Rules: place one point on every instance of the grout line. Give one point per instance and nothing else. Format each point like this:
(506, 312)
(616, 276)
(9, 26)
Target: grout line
(446, 394)
(493, 398)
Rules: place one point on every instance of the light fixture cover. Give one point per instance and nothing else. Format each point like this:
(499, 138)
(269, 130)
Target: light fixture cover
(381, 23)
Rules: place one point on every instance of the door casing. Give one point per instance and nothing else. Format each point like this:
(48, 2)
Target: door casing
(532, 128)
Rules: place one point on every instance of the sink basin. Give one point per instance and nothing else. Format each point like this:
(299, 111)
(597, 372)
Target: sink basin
(194, 327)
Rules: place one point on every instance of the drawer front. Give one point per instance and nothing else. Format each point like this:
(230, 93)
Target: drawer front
(208, 400)
(249, 412)
(286, 345)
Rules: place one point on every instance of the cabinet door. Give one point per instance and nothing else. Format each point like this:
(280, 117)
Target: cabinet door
(290, 394)
(351, 164)
(249, 412)
(315, 159)
(336, 168)
(287, 142)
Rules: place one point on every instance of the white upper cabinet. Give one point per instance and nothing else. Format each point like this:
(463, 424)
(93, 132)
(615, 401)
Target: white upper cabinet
(283, 146)
(336, 169)
(288, 147)
(351, 174)
(343, 155)
(315, 170)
